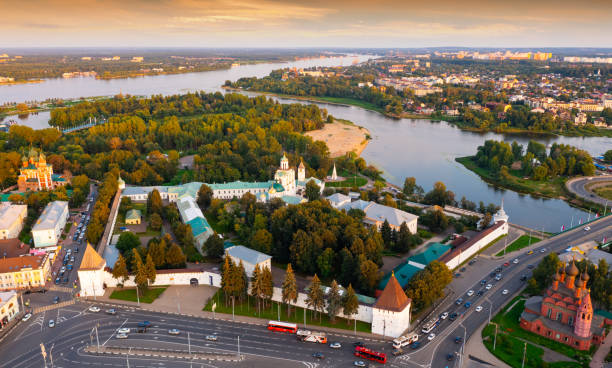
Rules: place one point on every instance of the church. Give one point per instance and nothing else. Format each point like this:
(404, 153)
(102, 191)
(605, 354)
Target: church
(36, 174)
(565, 312)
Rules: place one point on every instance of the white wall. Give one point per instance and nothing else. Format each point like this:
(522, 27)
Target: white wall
(389, 323)
(455, 262)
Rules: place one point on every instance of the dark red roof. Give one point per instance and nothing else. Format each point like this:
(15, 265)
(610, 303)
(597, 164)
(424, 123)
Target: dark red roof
(466, 245)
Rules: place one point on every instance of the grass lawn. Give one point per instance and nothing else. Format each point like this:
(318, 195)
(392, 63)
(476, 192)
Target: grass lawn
(604, 192)
(545, 188)
(520, 243)
(130, 294)
(510, 338)
(249, 308)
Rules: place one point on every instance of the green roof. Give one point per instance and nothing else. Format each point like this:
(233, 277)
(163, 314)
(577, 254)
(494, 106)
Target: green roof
(242, 185)
(432, 253)
(133, 215)
(199, 225)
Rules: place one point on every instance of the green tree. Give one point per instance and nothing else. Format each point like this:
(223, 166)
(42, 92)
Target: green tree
(175, 257)
(315, 298)
(289, 289)
(120, 272)
(404, 239)
(125, 205)
(350, 303)
(154, 202)
(409, 186)
(313, 191)
(325, 262)
(150, 269)
(226, 277)
(127, 241)
(543, 273)
(334, 302)
(140, 273)
(157, 250)
(257, 286)
(369, 274)
(214, 246)
(262, 241)
(205, 196)
(155, 222)
(267, 285)
(608, 156)
(385, 232)
(427, 285)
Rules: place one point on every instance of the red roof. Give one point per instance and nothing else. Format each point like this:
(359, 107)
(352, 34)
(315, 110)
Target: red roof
(466, 245)
(393, 298)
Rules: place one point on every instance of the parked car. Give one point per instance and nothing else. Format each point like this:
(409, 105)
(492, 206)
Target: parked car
(505, 292)
(450, 357)
(415, 345)
(467, 304)
(530, 252)
(458, 340)
(359, 363)
(479, 293)
(453, 316)
(26, 317)
(506, 264)
(482, 282)
(358, 343)
(459, 301)
(515, 261)
(587, 228)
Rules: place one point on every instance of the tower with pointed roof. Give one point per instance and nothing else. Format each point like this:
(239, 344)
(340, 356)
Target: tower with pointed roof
(584, 317)
(36, 174)
(301, 171)
(91, 273)
(285, 176)
(334, 175)
(391, 312)
(500, 215)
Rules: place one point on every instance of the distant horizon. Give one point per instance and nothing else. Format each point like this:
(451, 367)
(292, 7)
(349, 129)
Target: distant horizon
(310, 24)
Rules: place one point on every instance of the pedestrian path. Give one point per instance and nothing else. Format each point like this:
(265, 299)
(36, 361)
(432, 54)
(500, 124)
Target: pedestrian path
(600, 355)
(61, 289)
(53, 306)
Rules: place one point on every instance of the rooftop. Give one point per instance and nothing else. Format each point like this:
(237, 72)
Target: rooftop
(133, 214)
(466, 245)
(50, 216)
(247, 254)
(6, 296)
(10, 212)
(91, 260)
(15, 264)
(13, 248)
(393, 297)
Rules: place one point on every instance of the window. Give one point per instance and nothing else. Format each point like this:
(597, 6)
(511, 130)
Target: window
(565, 339)
(570, 320)
(559, 315)
(549, 313)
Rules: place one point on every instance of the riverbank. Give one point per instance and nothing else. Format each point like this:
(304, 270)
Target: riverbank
(21, 82)
(547, 188)
(341, 137)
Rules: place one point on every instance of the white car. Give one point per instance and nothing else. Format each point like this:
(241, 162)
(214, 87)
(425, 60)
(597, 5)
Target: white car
(123, 330)
(26, 317)
(359, 363)
(444, 315)
(470, 293)
(211, 337)
(431, 336)
(587, 228)
(121, 336)
(479, 308)
(174, 331)
(505, 292)
(515, 261)
(51, 323)
(489, 286)
(335, 345)
(94, 309)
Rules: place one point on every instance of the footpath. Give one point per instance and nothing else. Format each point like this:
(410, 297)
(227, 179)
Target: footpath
(162, 353)
(599, 357)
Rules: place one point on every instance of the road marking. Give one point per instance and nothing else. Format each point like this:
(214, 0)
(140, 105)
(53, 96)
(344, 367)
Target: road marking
(112, 333)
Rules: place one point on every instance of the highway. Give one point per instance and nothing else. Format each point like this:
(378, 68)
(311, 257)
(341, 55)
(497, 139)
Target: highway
(75, 329)
(433, 354)
(577, 186)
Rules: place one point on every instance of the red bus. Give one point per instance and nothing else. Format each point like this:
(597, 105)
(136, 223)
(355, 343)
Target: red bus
(282, 326)
(370, 354)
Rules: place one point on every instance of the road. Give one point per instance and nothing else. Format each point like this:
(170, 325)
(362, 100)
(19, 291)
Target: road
(433, 354)
(577, 186)
(74, 330)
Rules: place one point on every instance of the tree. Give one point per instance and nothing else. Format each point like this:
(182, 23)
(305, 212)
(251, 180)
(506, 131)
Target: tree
(214, 246)
(127, 241)
(385, 232)
(404, 239)
(439, 195)
(289, 289)
(150, 269)
(226, 277)
(154, 202)
(262, 241)
(267, 285)
(157, 250)
(608, 156)
(369, 274)
(334, 302)
(486, 220)
(409, 186)
(175, 257)
(242, 285)
(350, 303)
(427, 285)
(125, 205)
(257, 285)
(140, 273)
(325, 262)
(205, 196)
(315, 299)
(313, 191)
(543, 273)
(120, 272)
(155, 222)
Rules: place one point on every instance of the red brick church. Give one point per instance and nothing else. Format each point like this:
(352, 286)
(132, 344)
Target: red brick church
(565, 313)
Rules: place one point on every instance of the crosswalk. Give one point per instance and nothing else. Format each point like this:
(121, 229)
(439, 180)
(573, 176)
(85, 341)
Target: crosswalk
(52, 306)
(62, 289)
(311, 365)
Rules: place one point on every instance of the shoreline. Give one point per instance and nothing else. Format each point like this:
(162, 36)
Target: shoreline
(341, 137)
(406, 115)
(22, 82)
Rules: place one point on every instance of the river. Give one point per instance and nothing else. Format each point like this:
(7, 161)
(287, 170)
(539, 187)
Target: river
(400, 147)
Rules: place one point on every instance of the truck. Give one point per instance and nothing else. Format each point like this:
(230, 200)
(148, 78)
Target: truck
(405, 340)
(312, 336)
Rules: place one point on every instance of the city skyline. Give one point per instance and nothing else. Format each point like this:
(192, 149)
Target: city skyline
(317, 23)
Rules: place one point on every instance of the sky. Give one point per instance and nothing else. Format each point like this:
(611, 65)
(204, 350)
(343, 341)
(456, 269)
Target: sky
(312, 23)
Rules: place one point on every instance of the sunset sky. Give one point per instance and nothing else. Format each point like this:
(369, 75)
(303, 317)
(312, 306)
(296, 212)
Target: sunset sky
(292, 23)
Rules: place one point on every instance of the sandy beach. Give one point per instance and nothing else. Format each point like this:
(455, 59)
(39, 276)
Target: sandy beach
(341, 138)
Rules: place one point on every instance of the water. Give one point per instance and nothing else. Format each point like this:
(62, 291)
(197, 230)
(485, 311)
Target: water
(399, 147)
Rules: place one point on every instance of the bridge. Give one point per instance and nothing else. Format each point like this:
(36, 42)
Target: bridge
(89, 123)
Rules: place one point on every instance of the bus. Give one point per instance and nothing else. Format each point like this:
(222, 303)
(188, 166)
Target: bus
(282, 326)
(430, 325)
(366, 353)
(405, 340)
(312, 336)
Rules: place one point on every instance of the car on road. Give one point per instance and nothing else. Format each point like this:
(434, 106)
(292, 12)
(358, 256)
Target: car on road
(479, 293)
(472, 262)
(359, 363)
(111, 311)
(94, 309)
(123, 330)
(492, 274)
(515, 261)
(318, 355)
(506, 264)
(26, 317)
(397, 352)
(335, 345)
(479, 308)
(450, 357)
(453, 316)
(505, 292)
(498, 270)
(467, 304)
(462, 269)
(470, 293)
(174, 331)
(121, 336)
(498, 277)
(57, 280)
(51, 323)
(56, 300)
(459, 301)
(415, 345)
(65, 280)
(482, 282)
(358, 343)
(444, 315)
(524, 278)
(431, 336)
(458, 340)
(587, 228)
(530, 252)
(69, 267)
(542, 250)
(457, 274)
(530, 266)
(211, 337)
